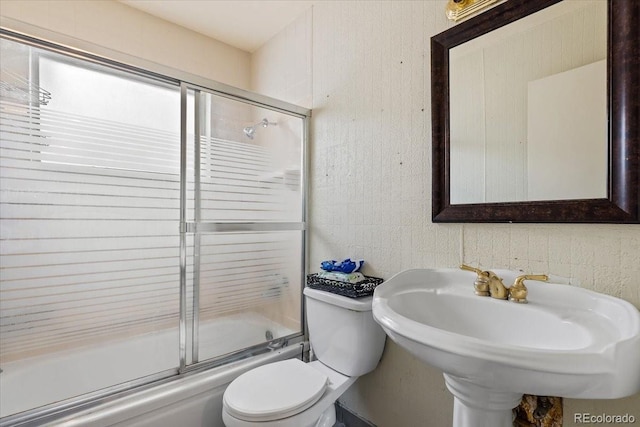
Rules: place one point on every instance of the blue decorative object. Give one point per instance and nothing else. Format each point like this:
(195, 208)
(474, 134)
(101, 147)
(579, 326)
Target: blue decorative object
(346, 266)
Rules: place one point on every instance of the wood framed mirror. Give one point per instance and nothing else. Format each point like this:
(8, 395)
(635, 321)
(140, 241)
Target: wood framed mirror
(621, 156)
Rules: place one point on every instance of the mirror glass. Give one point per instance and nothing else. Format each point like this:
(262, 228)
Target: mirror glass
(528, 109)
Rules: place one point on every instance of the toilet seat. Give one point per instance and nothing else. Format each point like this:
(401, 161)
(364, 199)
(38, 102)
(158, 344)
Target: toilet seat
(274, 391)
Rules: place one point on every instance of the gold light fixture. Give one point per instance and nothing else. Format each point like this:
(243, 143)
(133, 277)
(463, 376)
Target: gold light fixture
(458, 9)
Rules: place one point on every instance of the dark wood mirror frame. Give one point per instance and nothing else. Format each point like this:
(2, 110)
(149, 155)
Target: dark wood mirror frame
(623, 85)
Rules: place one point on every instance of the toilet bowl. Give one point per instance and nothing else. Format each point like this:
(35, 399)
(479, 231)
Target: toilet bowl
(290, 393)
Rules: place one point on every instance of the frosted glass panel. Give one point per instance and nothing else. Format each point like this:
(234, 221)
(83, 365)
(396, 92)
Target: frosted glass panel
(248, 166)
(251, 162)
(89, 210)
(248, 279)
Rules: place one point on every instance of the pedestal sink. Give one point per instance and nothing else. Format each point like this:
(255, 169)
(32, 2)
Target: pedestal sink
(567, 341)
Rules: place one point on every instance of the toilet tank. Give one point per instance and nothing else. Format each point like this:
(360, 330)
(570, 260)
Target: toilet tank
(342, 332)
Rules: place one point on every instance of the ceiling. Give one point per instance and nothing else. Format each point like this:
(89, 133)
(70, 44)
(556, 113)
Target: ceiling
(244, 24)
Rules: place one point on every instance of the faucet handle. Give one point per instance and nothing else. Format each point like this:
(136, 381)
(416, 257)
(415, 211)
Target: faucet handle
(472, 269)
(518, 292)
(481, 285)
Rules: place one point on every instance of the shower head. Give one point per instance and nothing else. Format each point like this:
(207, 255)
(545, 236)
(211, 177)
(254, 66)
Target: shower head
(251, 130)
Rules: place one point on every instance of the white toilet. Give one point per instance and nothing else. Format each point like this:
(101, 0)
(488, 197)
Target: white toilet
(347, 342)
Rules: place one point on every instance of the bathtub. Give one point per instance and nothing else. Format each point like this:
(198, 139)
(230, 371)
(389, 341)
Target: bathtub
(189, 400)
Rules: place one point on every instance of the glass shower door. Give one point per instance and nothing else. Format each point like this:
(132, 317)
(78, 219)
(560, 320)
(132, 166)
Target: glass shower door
(245, 225)
(89, 202)
(121, 229)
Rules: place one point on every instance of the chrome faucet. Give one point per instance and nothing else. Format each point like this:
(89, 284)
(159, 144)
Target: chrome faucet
(489, 284)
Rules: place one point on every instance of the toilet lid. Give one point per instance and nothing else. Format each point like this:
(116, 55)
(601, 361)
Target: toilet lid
(274, 391)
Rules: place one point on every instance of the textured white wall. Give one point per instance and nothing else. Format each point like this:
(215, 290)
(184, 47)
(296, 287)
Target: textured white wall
(118, 27)
(282, 67)
(370, 176)
(371, 194)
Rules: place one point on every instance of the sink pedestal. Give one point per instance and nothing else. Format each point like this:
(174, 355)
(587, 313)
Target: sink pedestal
(476, 406)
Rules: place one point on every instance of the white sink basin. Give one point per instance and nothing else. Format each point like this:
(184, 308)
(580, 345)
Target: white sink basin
(566, 341)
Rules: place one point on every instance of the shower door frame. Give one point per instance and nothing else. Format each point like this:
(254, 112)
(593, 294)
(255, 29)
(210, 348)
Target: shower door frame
(196, 227)
(55, 42)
